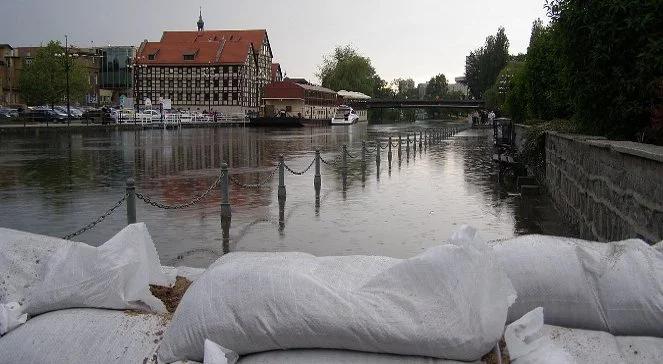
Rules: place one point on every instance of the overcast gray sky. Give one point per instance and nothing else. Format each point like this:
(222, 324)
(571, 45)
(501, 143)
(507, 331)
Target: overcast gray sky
(403, 38)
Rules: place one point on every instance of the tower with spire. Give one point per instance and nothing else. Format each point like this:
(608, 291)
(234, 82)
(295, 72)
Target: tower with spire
(201, 23)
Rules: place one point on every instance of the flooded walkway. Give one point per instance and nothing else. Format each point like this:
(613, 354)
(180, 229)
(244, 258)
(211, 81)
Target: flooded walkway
(57, 182)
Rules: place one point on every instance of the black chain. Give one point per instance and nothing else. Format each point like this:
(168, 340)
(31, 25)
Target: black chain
(194, 201)
(260, 183)
(350, 155)
(299, 173)
(333, 164)
(98, 220)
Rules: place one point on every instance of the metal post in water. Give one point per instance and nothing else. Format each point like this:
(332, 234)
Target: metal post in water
(421, 137)
(226, 214)
(344, 171)
(131, 201)
(317, 179)
(377, 152)
(414, 143)
(281, 191)
(407, 144)
(400, 143)
(389, 153)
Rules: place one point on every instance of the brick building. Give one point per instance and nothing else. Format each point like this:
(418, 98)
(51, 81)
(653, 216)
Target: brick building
(220, 70)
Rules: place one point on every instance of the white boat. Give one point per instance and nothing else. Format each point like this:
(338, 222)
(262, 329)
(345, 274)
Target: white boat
(345, 115)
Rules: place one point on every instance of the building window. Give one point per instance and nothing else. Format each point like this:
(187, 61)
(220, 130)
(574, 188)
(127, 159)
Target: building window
(216, 83)
(225, 83)
(189, 57)
(225, 70)
(216, 96)
(225, 96)
(234, 96)
(151, 57)
(206, 97)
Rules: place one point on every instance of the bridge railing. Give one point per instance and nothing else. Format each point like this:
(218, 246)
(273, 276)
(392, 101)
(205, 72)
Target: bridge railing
(399, 144)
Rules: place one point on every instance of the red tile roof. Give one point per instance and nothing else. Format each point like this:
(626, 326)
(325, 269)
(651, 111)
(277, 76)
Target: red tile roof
(209, 46)
(276, 69)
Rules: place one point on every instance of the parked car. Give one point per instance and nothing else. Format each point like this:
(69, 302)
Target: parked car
(45, 115)
(7, 113)
(150, 115)
(97, 116)
(122, 116)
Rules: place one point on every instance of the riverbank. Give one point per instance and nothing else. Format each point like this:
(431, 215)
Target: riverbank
(80, 126)
(610, 190)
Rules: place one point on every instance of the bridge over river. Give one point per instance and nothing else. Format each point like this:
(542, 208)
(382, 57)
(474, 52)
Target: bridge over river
(415, 104)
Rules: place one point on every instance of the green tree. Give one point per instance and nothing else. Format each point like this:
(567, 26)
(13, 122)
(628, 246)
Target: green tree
(43, 81)
(346, 69)
(613, 59)
(437, 87)
(484, 64)
(405, 87)
(546, 83)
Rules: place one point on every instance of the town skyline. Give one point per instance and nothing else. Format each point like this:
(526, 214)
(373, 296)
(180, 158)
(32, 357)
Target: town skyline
(403, 48)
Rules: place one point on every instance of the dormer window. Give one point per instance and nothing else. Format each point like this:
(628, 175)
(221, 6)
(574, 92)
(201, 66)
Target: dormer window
(189, 56)
(151, 57)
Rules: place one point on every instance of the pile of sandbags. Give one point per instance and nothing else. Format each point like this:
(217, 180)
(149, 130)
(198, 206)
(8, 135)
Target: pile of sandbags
(615, 287)
(45, 274)
(449, 302)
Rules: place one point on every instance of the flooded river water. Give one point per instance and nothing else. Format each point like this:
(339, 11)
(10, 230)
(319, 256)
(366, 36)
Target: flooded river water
(54, 183)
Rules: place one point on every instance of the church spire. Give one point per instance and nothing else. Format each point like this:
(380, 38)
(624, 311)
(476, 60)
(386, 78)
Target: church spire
(201, 23)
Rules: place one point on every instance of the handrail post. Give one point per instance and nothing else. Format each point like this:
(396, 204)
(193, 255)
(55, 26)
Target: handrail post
(344, 167)
(281, 191)
(389, 152)
(421, 136)
(226, 214)
(400, 143)
(317, 179)
(131, 201)
(414, 143)
(377, 152)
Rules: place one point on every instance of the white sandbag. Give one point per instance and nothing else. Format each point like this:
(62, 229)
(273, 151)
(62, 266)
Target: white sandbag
(615, 287)
(21, 256)
(11, 317)
(530, 341)
(449, 302)
(84, 336)
(528, 344)
(44, 273)
(643, 350)
(326, 356)
(215, 354)
(189, 273)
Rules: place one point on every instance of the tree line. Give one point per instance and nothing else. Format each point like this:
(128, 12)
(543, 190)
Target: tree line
(598, 64)
(346, 69)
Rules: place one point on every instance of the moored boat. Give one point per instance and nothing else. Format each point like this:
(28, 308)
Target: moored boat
(345, 115)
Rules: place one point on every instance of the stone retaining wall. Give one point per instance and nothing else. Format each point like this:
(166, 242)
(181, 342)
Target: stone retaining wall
(611, 190)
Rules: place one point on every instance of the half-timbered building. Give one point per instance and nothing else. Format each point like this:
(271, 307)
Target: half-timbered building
(216, 70)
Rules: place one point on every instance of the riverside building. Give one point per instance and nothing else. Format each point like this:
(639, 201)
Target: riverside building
(216, 70)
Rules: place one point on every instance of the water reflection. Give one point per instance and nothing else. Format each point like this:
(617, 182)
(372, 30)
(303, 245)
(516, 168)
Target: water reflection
(53, 183)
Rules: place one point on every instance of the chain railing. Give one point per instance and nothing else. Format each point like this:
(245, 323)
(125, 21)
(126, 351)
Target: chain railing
(259, 184)
(427, 137)
(148, 200)
(94, 223)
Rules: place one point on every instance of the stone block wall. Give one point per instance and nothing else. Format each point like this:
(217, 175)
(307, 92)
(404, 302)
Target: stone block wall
(611, 190)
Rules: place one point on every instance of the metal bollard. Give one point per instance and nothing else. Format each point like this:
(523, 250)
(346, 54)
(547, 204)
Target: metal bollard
(363, 154)
(317, 178)
(377, 152)
(421, 136)
(407, 144)
(389, 153)
(414, 143)
(344, 171)
(131, 201)
(400, 143)
(281, 191)
(226, 214)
